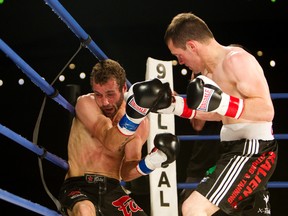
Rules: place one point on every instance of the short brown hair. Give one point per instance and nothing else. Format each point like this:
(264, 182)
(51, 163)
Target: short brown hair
(184, 27)
(107, 69)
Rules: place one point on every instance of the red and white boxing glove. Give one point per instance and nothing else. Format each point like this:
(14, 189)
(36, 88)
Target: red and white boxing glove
(205, 95)
(179, 107)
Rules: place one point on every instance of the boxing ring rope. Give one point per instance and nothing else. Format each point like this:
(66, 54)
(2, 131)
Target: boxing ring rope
(271, 184)
(34, 148)
(35, 77)
(48, 90)
(85, 39)
(16, 200)
(273, 95)
(63, 164)
(45, 86)
(54, 94)
(63, 14)
(214, 137)
(41, 152)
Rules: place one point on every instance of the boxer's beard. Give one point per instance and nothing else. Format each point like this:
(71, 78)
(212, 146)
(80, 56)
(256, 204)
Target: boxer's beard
(115, 107)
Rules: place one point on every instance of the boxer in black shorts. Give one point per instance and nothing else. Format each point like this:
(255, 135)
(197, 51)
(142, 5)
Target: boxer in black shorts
(105, 143)
(239, 183)
(105, 193)
(233, 89)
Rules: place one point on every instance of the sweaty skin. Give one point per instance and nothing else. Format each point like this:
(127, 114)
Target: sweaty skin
(95, 144)
(237, 73)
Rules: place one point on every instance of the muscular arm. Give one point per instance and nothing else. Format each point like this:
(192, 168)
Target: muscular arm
(133, 152)
(99, 126)
(207, 116)
(251, 85)
(197, 124)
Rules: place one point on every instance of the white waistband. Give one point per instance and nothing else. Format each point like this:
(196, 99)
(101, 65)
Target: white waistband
(238, 131)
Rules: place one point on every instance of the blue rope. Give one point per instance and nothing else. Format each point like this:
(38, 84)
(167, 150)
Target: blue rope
(34, 148)
(272, 184)
(16, 200)
(217, 137)
(35, 77)
(273, 95)
(78, 30)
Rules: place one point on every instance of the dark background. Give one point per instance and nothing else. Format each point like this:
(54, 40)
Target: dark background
(130, 32)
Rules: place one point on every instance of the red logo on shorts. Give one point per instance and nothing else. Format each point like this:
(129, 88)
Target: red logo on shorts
(127, 205)
(258, 171)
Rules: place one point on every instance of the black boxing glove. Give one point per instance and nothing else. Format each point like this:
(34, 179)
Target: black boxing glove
(205, 95)
(152, 94)
(165, 100)
(140, 99)
(166, 150)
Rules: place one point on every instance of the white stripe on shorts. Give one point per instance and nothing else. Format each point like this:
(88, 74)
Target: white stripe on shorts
(251, 147)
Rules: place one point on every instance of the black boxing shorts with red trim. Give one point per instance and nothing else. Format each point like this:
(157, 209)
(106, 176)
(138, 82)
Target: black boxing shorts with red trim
(238, 184)
(105, 193)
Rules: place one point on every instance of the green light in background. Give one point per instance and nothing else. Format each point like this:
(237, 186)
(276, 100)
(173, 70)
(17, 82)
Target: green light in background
(1, 1)
(273, 1)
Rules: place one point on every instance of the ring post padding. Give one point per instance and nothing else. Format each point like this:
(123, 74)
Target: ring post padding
(163, 181)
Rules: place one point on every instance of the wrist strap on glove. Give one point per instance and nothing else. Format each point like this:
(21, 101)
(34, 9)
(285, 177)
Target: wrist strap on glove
(152, 161)
(181, 108)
